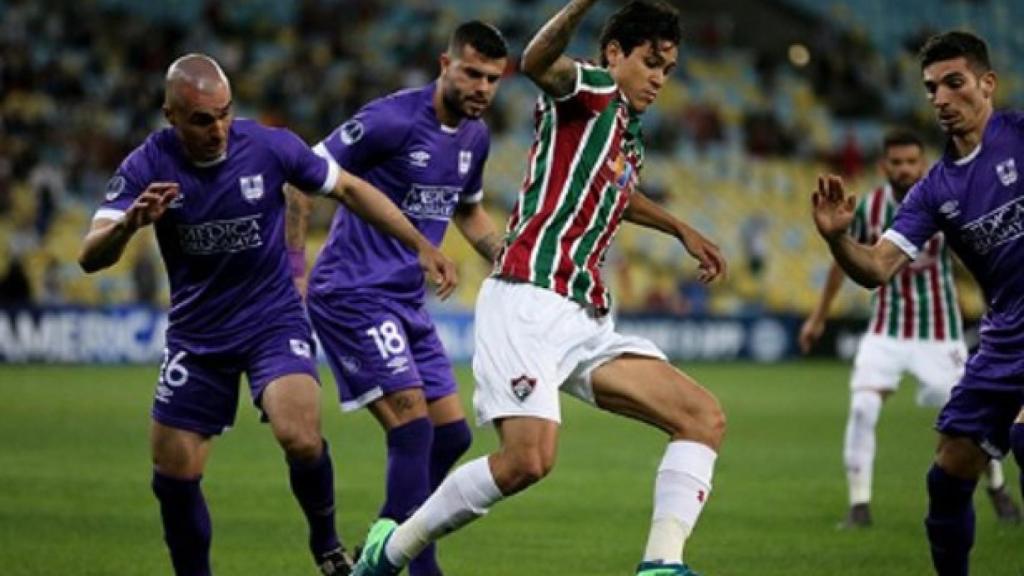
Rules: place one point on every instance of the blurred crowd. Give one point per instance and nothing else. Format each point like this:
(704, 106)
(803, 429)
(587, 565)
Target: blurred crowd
(735, 140)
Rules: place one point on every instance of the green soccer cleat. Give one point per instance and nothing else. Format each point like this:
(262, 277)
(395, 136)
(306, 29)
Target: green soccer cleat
(372, 560)
(662, 569)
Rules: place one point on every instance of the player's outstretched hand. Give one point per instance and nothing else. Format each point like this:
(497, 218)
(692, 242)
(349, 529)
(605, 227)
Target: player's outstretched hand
(439, 270)
(811, 332)
(151, 204)
(832, 208)
(712, 264)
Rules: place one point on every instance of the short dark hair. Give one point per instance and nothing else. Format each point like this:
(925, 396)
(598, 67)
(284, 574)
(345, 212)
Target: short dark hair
(486, 39)
(901, 137)
(641, 21)
(956, 44)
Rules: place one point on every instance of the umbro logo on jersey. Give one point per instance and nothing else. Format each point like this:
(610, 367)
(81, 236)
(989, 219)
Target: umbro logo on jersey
(950, 209)
(419, 158)
(1007, 171)
(114, 188)
(523, 386)
(252, 187)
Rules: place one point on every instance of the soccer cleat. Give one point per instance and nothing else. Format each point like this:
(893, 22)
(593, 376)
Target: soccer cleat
(373, 561)
(859, 516)
(658, 568)
(1007, 510)
(337, 562)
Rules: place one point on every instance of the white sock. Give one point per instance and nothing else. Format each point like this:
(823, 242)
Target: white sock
(996, 481)
(465, 495)
(680, 491)
(859, 444)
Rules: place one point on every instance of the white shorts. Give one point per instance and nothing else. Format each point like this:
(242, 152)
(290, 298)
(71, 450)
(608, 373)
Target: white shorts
(937, 366)
(531, 342)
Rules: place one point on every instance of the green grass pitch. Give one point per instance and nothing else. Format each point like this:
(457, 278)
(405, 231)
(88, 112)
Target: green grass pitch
(75, 499)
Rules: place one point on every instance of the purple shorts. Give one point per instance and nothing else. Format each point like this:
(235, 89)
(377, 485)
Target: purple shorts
(378, 347)
(197, 388)
(985, 404)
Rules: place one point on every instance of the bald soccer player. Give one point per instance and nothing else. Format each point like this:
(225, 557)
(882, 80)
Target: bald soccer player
(212, 187)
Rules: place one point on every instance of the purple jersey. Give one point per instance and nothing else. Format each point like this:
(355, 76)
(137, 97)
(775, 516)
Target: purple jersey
(222, 239)
(978, 203)
(427, 169)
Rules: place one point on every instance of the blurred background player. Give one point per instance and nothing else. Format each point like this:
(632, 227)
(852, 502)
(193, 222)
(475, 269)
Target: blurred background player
(975, 197)
(915, 327)
(426, 149)
(212, 186)
(542, 320)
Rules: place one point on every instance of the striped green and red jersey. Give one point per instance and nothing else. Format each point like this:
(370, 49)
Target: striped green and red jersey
(583, 165)
(920, 302)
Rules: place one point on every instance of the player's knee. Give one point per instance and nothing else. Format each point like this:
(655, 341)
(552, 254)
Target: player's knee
(960, 457)
(301, 443)
(523, 469)
(702, 421)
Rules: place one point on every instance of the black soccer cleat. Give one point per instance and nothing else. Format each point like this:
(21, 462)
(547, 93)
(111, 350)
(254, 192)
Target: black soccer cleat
(337, 562)
(859, 516)
(1006, 509)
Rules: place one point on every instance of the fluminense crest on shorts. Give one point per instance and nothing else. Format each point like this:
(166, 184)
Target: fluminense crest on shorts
(1007, 171)
(523, 386)
(252, 187)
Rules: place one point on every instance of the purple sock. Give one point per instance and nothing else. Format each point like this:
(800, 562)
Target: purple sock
(1017, 442)
(313, 486)
(186, 520)
(950, 521)
(408, 478)
(450, 442)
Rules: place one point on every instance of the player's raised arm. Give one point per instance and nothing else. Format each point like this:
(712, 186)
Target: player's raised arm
(869, 266)
(642, 211)
(543, 61)
(105, 242)
(373, 206)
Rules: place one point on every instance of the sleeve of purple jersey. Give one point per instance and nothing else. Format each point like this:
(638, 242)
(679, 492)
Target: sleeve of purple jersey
(131, 178)
(376, 132)
(915, 222)
(473, 192)
(304, 168)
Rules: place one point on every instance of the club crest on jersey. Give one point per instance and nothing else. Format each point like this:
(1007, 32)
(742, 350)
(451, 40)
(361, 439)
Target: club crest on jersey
(622, 171)
(465, 160)
(252, 187)
(523, 386)
(1007, 171)
(419, 158)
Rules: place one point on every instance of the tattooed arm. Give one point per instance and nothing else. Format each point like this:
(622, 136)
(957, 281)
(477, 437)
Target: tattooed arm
(296, 223)
(543, 61)
(476, 227)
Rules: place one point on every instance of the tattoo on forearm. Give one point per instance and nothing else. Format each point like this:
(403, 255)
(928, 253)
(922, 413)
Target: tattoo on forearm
(553, 38)
(295, 221)
(489, 246)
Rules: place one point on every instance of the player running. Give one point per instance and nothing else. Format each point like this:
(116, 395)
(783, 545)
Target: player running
(915, 327)
(212, 187)
(426, 149)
